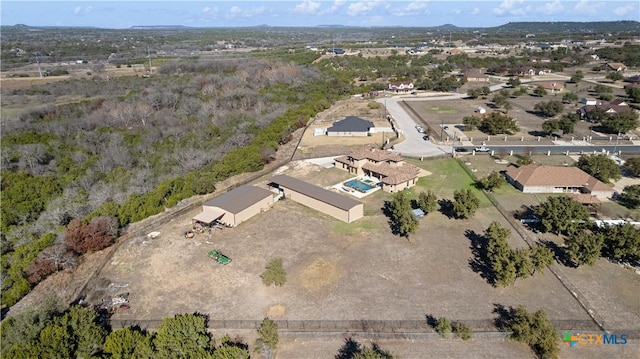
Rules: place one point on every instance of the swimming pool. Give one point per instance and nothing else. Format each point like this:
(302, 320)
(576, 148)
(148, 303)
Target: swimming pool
(358, 185)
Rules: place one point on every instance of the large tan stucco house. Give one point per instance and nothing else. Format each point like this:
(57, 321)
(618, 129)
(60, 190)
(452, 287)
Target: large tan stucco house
(556, 179)
(389, 168)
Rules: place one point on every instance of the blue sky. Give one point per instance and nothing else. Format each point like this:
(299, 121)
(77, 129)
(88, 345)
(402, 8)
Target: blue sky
(479, 13)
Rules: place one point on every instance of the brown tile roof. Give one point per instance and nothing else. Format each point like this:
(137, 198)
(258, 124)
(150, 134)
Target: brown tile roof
(375, 155)
(239, 199)
(553, 176)
(315, 192)
(393, 173)
(390, 165)
(585, 198)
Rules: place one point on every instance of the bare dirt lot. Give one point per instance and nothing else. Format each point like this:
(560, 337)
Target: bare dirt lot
(350, 272)
(333, 273)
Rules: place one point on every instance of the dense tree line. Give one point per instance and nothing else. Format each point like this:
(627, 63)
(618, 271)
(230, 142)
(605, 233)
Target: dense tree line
(77, 332)
(628, 54)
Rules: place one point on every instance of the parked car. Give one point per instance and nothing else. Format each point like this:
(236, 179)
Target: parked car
(461, 149)
(482, 149)
(425, 137)
(446, 127)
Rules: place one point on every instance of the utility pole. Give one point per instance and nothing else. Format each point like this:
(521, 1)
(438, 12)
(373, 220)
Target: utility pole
(149, 55)
(38, 62)
(615, 148)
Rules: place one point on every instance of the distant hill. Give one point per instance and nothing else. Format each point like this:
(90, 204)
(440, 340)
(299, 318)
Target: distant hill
(569, 27)
(158, 27)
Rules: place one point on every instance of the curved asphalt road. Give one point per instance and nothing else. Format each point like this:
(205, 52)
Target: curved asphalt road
(415, 146)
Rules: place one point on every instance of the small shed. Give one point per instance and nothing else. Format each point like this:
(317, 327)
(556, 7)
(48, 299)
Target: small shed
(418, 213)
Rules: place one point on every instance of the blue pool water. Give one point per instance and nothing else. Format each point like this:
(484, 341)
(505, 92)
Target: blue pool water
(357, 185)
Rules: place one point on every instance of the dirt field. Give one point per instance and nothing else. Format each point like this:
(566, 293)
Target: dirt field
(333, 273)
(348, 272)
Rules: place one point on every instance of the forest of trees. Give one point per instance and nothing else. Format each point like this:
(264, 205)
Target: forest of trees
(130, 147)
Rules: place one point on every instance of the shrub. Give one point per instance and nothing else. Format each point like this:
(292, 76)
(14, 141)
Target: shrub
(463, 330)
(443, 326)
(274, 273)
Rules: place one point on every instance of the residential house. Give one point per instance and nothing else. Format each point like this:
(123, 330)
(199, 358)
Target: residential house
(475, 75)
(550, 86)
(401, 87)
(556, 179)
(350, 126)
(615, 66)
(389, 168)
(613, 107)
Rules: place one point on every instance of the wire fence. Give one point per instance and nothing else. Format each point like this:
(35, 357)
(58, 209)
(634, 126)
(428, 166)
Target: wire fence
(381, 327)
(555, 269)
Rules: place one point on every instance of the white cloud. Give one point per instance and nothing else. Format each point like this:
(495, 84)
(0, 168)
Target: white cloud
(586, 7)
(337, 4)
(419, 7)
(361, 7)
(475, 11)
(551, 8)
(626, 9)
(211, 10)
(507, 7)
(79, 10)
(456, 11)
(307, 7)
(246, 12)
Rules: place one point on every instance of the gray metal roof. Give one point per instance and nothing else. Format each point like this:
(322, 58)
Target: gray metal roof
(351, 124)
(313, 191)
(239, 199)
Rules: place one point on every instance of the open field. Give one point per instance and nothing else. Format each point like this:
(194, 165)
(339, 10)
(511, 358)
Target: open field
(333, 274)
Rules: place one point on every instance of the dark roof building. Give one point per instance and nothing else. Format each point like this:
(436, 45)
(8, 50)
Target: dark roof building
(350, 126)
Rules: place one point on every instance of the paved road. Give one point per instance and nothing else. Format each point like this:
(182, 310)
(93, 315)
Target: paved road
(415, 146)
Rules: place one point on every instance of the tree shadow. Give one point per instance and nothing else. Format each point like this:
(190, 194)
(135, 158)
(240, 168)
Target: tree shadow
(505, 316)
(349, 349)
(431, 321)
(446, 208)
(480, 263)
(559, 253)
(537, 133)
(386, 210)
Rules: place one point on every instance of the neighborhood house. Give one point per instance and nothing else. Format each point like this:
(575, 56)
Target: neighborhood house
(553, 179)
(350, 126)
(401, 87)
(389, 168)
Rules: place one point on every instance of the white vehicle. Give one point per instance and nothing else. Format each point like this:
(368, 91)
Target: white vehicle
(482, 149)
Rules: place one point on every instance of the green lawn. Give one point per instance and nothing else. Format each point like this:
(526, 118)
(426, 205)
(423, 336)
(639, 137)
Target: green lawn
(446, 177)
(361, 225)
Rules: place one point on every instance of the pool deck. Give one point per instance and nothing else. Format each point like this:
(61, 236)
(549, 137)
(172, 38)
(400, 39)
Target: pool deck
(340, 187)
